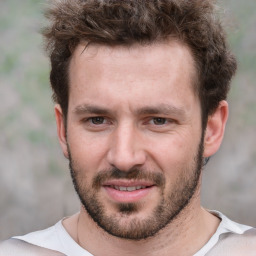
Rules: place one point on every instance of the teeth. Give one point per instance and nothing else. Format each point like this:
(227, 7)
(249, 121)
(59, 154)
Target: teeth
(140, 187)
(128, 188)
(131, 188)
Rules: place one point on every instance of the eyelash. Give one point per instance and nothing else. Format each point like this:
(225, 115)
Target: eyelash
(100, 120)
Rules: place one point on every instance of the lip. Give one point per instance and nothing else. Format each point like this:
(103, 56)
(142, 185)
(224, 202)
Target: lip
(128, 183)
(128, 196)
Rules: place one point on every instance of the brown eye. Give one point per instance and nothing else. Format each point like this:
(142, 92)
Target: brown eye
(159, 121)
(97, 120)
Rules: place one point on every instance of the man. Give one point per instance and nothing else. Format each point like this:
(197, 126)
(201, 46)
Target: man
(140, 90)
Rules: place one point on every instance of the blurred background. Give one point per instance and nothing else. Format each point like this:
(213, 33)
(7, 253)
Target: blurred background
(35, 188)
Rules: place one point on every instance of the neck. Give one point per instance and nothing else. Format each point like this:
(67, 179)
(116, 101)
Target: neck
(183, 236)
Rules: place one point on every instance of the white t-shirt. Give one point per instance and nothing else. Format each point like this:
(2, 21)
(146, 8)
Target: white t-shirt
(57, 238)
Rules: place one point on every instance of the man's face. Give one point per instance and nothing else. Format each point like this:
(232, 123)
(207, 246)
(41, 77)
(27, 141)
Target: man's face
(134, 136)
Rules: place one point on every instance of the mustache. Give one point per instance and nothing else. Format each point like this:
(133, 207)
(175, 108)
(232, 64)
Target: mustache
(132, 174)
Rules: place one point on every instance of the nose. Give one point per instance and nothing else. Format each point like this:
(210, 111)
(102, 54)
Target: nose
(126, 148)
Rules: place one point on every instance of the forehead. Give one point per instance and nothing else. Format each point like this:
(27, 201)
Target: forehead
(151, 51)
(156, 68)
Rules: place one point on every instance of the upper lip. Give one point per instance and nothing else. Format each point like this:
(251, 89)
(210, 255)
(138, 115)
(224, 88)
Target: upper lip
(127, 183)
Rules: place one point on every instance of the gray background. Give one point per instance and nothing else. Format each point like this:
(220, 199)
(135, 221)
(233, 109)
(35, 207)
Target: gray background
(35, 188)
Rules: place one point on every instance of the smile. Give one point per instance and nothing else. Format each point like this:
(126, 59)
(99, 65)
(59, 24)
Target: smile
(129, 189)
(128, 193)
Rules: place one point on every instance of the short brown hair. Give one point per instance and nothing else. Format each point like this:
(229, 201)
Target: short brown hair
(125, 22)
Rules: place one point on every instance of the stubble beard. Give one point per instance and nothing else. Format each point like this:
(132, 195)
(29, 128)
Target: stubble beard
(124, 224)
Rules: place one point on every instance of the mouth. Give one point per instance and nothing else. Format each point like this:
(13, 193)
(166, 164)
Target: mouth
(129, 189)
(127, 192)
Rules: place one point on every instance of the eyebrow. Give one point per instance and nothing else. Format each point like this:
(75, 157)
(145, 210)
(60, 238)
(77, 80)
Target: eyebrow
(91, 109)
(161, 109)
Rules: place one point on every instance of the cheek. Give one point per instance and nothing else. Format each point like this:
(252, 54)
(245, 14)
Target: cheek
(175, 153)
(87, 151)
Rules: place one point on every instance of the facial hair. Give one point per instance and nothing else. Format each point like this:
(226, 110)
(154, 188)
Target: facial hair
(124, 224)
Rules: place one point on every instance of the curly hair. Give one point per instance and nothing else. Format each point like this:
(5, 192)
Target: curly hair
(112, 22)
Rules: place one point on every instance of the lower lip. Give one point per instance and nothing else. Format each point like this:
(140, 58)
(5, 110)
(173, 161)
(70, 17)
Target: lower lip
(127, 196)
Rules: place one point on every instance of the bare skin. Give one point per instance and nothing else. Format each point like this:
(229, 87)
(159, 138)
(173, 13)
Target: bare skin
(124, 85)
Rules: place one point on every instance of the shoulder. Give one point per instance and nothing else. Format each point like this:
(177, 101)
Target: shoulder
(14, 247)
(236, 244)
(54, 238)
(46, 238)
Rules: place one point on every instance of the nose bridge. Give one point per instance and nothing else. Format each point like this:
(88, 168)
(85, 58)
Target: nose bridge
(126, 150)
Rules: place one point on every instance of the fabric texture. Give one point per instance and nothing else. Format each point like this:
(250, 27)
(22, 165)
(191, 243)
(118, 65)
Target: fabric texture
(227, 228)
(228, 233)
(235, 244)
(14, 247)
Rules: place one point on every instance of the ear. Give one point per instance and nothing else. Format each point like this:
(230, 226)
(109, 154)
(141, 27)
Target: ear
(61, 129)
(215, 129)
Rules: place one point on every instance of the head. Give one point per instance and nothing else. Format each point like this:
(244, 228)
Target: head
(140, 88)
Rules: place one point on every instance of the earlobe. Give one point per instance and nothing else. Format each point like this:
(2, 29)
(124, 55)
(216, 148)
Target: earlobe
(215, 129)
(61, 129)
